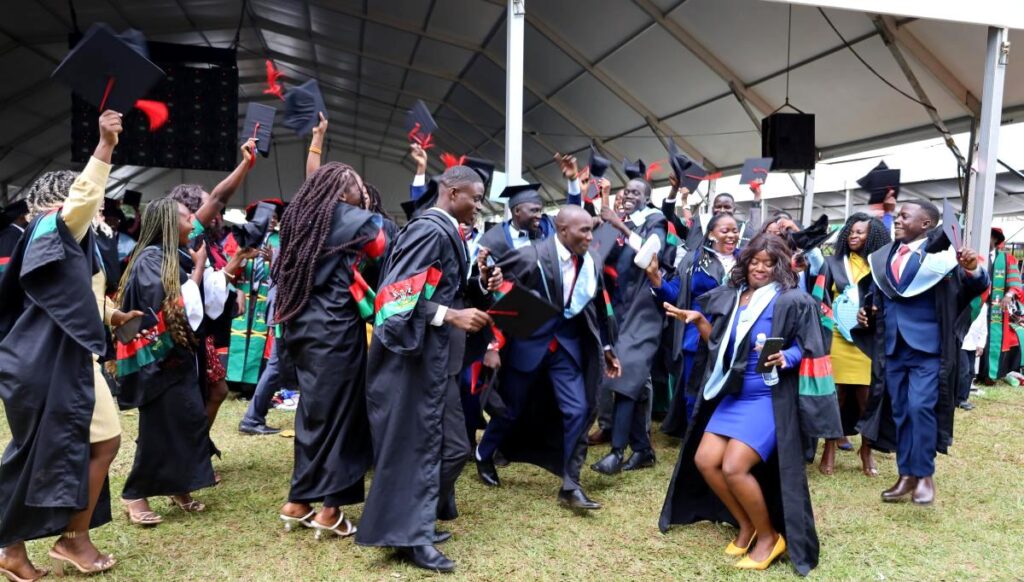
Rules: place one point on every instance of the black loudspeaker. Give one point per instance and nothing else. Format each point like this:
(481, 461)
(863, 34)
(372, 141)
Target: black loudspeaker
(788, 138)
(201, 93)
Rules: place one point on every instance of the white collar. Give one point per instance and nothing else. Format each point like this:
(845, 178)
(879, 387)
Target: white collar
(640, 215)
(564, 254)
(515, 232)
(448, 216)
(913, 246)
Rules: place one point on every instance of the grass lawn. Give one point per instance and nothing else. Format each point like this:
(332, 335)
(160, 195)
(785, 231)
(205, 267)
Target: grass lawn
(517, 532)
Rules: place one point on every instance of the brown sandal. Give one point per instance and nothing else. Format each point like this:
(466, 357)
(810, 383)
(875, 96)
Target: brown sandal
(61, 561)
(141, 518)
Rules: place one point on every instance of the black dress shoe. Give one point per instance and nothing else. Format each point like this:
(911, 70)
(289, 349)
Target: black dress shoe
(428, 558)
(641, 460)
(258, 430)
(610, 464)
(441, 537)
(576, 499)
(965, 405)
(488, 474)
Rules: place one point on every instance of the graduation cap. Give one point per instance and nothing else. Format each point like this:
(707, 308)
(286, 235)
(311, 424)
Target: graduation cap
(951, 226)
(688, 173)
(755, 169)
(520, 312)
(420, 124)
(414, 208)
(999, 235)
(482, 167)
(106, 71)
(277, 203)
(634, 170)
(879, 181)
(254, 232)
(16, 209)
(597, 168)
(131, 198)
(303, 106)
(259, 121)
(522, 194)
(812, 236)
(111, 209)
(606, 238)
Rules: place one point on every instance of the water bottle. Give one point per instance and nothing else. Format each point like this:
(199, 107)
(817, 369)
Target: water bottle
(769, 378)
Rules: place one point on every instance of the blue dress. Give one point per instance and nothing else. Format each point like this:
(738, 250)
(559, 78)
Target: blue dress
(749, 416)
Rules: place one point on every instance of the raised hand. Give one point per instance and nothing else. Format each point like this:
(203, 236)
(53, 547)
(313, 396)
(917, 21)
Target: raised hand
(570, 168)
(418, 155)
(321, 128)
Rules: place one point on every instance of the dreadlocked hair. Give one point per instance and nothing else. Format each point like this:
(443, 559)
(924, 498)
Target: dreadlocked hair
(877, 237)
(48, 191)
(305, 226)
(376, 204)
(160, 226)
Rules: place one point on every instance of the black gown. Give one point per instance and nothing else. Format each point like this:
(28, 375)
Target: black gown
(638, 314)
(161, 379)
(803, 408)
(412, 390)
(9, 237)
(324, 350)
(49, 330)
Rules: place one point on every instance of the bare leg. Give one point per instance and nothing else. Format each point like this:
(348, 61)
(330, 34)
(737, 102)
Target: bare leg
(328, 516)
(218, 393)
(293, 509)
(709, 457)
(15, 560)
(736, 465)
(867, 460)
(80, 547)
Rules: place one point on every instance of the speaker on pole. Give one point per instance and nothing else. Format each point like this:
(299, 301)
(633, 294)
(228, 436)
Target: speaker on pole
(788, 138)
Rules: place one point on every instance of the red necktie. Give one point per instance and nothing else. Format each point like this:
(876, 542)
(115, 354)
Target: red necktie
(901, 255)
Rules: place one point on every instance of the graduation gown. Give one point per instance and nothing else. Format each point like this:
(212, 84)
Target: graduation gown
(324, 350)
(638, 314)
(161, 379)
(537, 436)
(498, 239)
(49, 331)
(833, 273)
(805, 406)
(952, 308)
(412, 364)
(9, 237)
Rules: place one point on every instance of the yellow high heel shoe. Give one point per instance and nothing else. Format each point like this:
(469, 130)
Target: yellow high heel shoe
(747, 564)
(735, 551)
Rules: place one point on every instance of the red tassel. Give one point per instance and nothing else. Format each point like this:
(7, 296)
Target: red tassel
(450, 160)
(654, 167)
(156, 112)
(273, 87)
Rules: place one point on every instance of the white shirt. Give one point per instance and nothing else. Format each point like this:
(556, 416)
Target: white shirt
(573, 188)
(520, 238)
(419, 180)
(913, 246)
(568, 268)
(978, 334)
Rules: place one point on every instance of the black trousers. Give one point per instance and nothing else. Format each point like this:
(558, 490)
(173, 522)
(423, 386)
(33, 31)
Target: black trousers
(455, 450)
(963, 387)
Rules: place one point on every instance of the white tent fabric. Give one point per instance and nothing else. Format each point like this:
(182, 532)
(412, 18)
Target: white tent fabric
(612, 70)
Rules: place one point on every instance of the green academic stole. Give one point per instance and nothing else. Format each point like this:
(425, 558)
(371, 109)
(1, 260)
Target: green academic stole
(995, 314)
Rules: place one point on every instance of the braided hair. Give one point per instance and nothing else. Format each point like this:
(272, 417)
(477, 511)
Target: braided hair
(878, 235)
(160, 227)
(305, 227)
(376, 202)
(48, 191)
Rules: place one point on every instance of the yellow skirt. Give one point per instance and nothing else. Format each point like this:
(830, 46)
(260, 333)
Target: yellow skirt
(849, 364)
(105, 422)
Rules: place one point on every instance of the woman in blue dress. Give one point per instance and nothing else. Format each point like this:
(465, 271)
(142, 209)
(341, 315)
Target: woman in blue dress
(742, 459)
(700, 271)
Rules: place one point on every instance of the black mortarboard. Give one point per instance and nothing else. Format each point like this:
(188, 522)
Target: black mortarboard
(951, 226)
(633, 170)
(107, 72)
(111, 209)
(519, 312)
(688, 172)
(259, 121)
(131, 198)
(414, 208)
(606, 238)
(521, 194)
(16, 209)
(598, 167)
(303, 106)
(755, 169)
(254, 232)
(420, 123)
(482, 167)
(879, 181)
(812, 236)
(278, 204)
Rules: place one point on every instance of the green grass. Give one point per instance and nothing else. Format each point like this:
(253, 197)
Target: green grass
(517, 532)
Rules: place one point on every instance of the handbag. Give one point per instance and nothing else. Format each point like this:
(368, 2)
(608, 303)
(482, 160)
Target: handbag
(846, 306)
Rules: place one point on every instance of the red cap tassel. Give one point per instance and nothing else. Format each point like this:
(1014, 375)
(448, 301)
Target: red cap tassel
(450, 160)
(273, 87)
(156, 112)
(654, 167)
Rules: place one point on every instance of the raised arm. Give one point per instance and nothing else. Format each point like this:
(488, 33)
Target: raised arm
(313, 159)
(222, 192)
(86, 195)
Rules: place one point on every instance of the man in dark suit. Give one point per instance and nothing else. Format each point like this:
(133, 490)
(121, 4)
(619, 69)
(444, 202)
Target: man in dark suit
(563, 358)
(924, 287)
